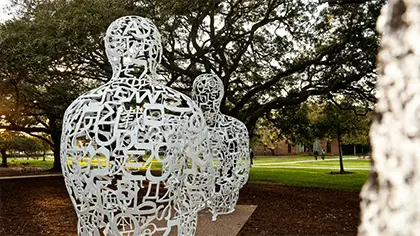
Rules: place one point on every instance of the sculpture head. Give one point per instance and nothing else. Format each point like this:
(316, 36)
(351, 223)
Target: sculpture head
(133, 43)
(207, 92)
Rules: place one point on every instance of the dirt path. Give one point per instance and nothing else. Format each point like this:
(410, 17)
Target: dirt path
(288, 211)
(23, 171)
(40, 206)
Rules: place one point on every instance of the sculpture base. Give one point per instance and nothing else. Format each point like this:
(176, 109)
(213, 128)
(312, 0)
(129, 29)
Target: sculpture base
(225, 225)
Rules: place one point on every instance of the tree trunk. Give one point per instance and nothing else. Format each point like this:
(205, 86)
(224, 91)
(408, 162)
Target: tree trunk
(340, 150)
(3, 158)
(56, 138)
(43, 155)
(354, 149)
(391, 197)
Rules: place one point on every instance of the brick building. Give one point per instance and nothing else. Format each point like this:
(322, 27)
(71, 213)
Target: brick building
(284, 148)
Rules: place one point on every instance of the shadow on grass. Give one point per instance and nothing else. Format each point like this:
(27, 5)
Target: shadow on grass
(341, 173)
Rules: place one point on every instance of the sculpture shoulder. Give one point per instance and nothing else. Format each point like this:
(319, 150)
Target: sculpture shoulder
(187, 101)
(95, 94)
(123, 92)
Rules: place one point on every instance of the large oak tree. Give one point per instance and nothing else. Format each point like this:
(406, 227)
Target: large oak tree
(269, 53)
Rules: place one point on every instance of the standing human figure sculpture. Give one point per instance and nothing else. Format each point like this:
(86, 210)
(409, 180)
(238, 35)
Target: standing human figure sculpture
(229, 144)
(134, 153)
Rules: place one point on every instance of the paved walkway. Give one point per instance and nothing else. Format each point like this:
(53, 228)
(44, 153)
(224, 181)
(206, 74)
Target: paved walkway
(295, 162)
(286, 165)
(225, 225)
(29, 176)
(308, 167)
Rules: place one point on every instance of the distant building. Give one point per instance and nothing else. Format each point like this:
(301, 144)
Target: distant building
(285, 148)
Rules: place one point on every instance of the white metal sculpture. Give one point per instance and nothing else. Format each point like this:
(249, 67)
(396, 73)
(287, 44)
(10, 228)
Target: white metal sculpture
(229, 144)
(134, 153)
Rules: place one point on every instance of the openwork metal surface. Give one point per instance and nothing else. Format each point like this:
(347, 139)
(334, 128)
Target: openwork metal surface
(229, 144)
(135, 154)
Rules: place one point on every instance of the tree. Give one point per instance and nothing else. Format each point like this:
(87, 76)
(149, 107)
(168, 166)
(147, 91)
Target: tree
(391, 197)
(50, 55)
(295, 123)
(29, 146)
(269, 54)
(268, 135)
(262, 70)
(359, 136)
(337, 121)
(43, 146)
(6, 144)
(14, 141)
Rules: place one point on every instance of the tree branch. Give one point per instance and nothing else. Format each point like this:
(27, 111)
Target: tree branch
(42, 138)
(15, 127)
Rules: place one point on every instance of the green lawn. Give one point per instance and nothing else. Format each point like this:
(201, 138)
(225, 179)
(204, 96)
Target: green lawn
(279, 159)
(330, 162)
(22, 161)
(49, 161)
(334, 164)
(318, 178)
(317, 174)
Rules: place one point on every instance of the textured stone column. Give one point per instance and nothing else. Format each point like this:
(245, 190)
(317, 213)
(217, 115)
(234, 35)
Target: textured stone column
(391, 197)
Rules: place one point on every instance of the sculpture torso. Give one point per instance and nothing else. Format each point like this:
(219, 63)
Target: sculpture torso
(236, 143)
(229, 141)
(117, 138)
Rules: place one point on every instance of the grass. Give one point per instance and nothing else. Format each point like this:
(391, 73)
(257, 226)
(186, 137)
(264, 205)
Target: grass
(336, 164)
(49, 162)
(330, 162)
(317, 174)
(132, 164)
(280, 159)
(22, 161)
(317, 178)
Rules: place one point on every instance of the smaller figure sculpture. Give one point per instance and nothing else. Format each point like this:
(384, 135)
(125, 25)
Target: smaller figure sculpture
(229, 143)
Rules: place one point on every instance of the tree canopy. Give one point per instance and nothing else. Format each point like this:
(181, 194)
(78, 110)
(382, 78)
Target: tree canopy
(341, 121)
(269, 54)
(296, 123)
(16, 141)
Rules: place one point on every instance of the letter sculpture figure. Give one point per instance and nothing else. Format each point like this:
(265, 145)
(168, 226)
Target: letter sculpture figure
(229, 144)
(134, 153)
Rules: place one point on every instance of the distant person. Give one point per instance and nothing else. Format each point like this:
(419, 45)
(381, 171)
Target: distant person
(251, 156)
(323, 154)
(316, 152)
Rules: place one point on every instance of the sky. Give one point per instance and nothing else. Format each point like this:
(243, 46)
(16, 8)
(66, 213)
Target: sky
(3, 15)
